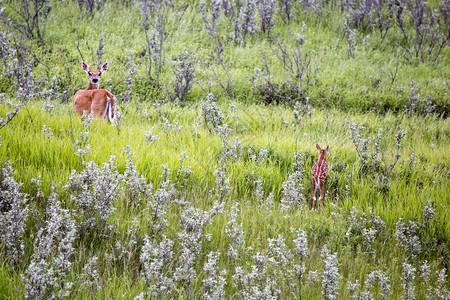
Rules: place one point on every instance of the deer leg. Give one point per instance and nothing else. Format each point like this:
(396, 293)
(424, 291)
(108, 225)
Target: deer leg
(322, 193)
(313, 196)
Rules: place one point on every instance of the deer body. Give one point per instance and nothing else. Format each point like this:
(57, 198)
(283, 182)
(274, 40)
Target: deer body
(100, 102)
(319, 176)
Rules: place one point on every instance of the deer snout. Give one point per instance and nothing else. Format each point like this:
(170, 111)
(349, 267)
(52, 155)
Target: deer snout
(95, 80)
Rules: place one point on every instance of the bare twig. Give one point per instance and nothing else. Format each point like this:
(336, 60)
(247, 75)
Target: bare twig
(79, 50)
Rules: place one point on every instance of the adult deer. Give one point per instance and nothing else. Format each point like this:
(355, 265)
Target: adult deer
(100, 102)
(319, 176)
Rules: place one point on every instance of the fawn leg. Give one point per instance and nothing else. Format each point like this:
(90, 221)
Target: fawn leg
(322, 192)
(313, 195)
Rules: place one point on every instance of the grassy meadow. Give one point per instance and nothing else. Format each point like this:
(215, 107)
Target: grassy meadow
(209, 196)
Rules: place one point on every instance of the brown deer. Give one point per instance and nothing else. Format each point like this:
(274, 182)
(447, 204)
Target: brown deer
(100, 102)
(319, 176)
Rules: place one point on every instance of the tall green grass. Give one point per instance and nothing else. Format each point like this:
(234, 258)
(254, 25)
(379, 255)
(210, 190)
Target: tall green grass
(359, 84)
(345, 93)
(34, 155)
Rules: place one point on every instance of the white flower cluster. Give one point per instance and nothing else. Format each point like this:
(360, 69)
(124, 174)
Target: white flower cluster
(212, 114)
(13, 215)
(407, 237)
(330, 278)
(292, 191)
(214, 283)
(156, 259)
(94, 191)
(235, 234)
(50, 263)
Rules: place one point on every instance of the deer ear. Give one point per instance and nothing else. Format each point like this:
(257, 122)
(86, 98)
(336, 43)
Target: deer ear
(104, 67)
(85, 67)
(318, 147)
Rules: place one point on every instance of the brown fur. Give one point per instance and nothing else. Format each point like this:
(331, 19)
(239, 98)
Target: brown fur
(319, 176)
(94, 100)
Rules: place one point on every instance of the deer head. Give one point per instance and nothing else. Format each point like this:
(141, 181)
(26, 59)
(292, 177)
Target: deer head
(94, 75)
(323, 152)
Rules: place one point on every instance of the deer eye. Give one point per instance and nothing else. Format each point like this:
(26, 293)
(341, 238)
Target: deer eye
(90, 73)
(99, 73)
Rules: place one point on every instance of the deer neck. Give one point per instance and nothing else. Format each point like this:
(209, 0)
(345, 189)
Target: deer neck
(92, 86)
(322, 158)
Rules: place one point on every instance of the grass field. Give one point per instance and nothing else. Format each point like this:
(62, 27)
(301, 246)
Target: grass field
(209, 196)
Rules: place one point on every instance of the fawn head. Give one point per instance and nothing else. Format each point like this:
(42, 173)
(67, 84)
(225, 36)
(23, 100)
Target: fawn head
(94, 75)
(323, 152)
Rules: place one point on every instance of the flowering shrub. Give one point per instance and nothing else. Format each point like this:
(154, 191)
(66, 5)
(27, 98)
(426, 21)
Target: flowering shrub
(94, 191)
(53, 249)
(13, 215)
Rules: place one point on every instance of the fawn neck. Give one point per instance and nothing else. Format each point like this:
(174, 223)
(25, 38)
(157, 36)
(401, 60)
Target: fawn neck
(322, 157)
(317, 169)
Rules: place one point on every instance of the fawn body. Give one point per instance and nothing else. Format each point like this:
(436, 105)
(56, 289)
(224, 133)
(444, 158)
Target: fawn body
(319, 176)
(100, 102)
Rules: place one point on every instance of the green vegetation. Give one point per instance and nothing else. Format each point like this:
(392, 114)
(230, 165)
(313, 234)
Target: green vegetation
(381, 89)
